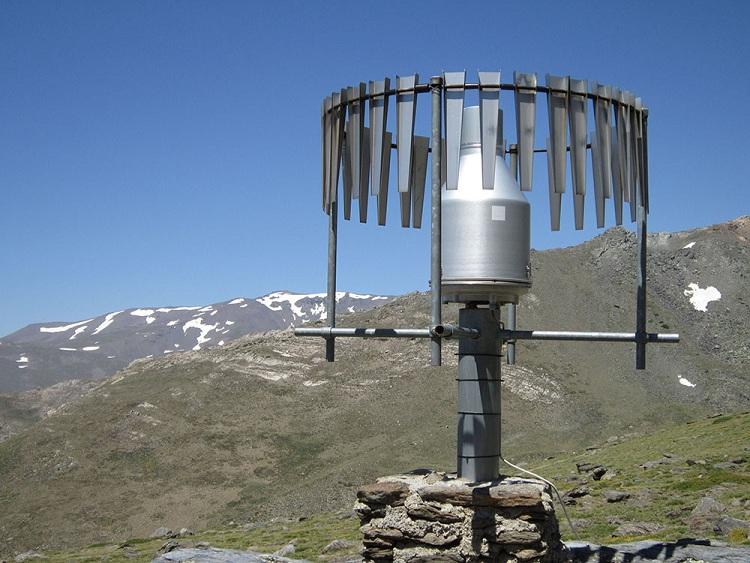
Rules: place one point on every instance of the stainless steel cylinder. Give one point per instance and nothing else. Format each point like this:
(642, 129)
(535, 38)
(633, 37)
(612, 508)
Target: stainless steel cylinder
(478, 439)
(485, 233)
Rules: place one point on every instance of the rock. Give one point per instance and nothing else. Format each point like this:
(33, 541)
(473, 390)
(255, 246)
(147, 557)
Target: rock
(26, 555)
(285, 550)
(215, 555)
(706, 513)
(695, 461)
(500, 495)
(616, 496)
(163, 533)
(586, 467)
(655, 463)
(726, 524)
(578, 492)
(338, 545)
(171, 545)
(425, 510)
(598, 472)
(387, 492)
(680, 551)
(425, 555)
(186, 532)
(637, 529)
(728, 465)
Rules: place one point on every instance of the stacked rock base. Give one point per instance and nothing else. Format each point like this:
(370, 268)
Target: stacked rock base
(430, 516)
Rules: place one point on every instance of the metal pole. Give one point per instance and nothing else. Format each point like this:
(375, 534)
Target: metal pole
(510, 324)
(331, 332)
(640, 320)
(478, 440)
(588, 336)
(331, 298)
(436, 85)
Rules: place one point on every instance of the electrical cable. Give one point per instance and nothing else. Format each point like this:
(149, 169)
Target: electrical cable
(551, 484)
(496, 315)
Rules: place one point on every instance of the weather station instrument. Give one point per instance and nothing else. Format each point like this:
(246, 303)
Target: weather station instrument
(479, 216)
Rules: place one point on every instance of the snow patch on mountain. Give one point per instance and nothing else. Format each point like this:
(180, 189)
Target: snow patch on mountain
(63, 328)
(108, 320)
(701, 297)
(203, 328)
(78, 331)
(142, 312)
(685, 382)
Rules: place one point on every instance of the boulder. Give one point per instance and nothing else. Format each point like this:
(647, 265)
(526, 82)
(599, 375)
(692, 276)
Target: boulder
(384, 493)
(637, 529)
(616, 496)
(705, 515)
(726, 524)
(163, 533)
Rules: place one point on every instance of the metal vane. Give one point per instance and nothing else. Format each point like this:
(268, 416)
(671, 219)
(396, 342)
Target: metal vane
(491, 130)
(378, 119)
(555, 197)
(383, 184)
(418, 177)
(635, 128)
(525, 98)
(354, 129)
(629, 101)
(557, 108)
(325, 123)
(596, 166)
(406, 107)
(603, 124)
(616, 178)
(347, 178)
(364, 176)
(622, 123)
(337, 138)
(578, 132)
(454, 110)
(641, 152)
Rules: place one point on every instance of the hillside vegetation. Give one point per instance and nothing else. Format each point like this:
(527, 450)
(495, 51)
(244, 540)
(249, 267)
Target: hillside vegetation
(663, 496)
(264, 427)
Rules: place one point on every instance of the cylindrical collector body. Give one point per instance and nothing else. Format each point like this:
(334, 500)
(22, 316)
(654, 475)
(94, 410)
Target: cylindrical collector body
(485, 233)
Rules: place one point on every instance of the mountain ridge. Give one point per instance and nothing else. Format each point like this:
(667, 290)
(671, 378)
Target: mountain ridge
(43, 354)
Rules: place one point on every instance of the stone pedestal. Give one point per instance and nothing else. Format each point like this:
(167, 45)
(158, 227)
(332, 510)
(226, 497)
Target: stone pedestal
(431, 516)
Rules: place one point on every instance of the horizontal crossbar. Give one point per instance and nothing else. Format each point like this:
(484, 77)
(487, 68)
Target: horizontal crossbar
(452, 331)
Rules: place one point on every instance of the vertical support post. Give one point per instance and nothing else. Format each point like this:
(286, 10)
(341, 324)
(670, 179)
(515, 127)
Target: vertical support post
(478, 443)
(436, 87)
(640, 321)
(331, 298)
(510, 324)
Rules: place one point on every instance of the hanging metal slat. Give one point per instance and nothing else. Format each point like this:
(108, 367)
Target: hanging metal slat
(491, 128)
(525, 99)
(557, 110)
(453, 99)
(406, 107)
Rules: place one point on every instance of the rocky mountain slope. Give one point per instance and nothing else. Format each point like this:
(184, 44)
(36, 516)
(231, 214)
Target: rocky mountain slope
(264, 427)
(40, 355)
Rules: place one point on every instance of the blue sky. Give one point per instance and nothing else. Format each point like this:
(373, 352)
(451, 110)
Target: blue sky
(157, 153)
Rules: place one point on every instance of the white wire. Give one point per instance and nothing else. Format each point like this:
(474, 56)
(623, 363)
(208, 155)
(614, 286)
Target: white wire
(551, 484)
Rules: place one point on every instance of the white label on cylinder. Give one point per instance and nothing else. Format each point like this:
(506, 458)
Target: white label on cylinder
(498, 213)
